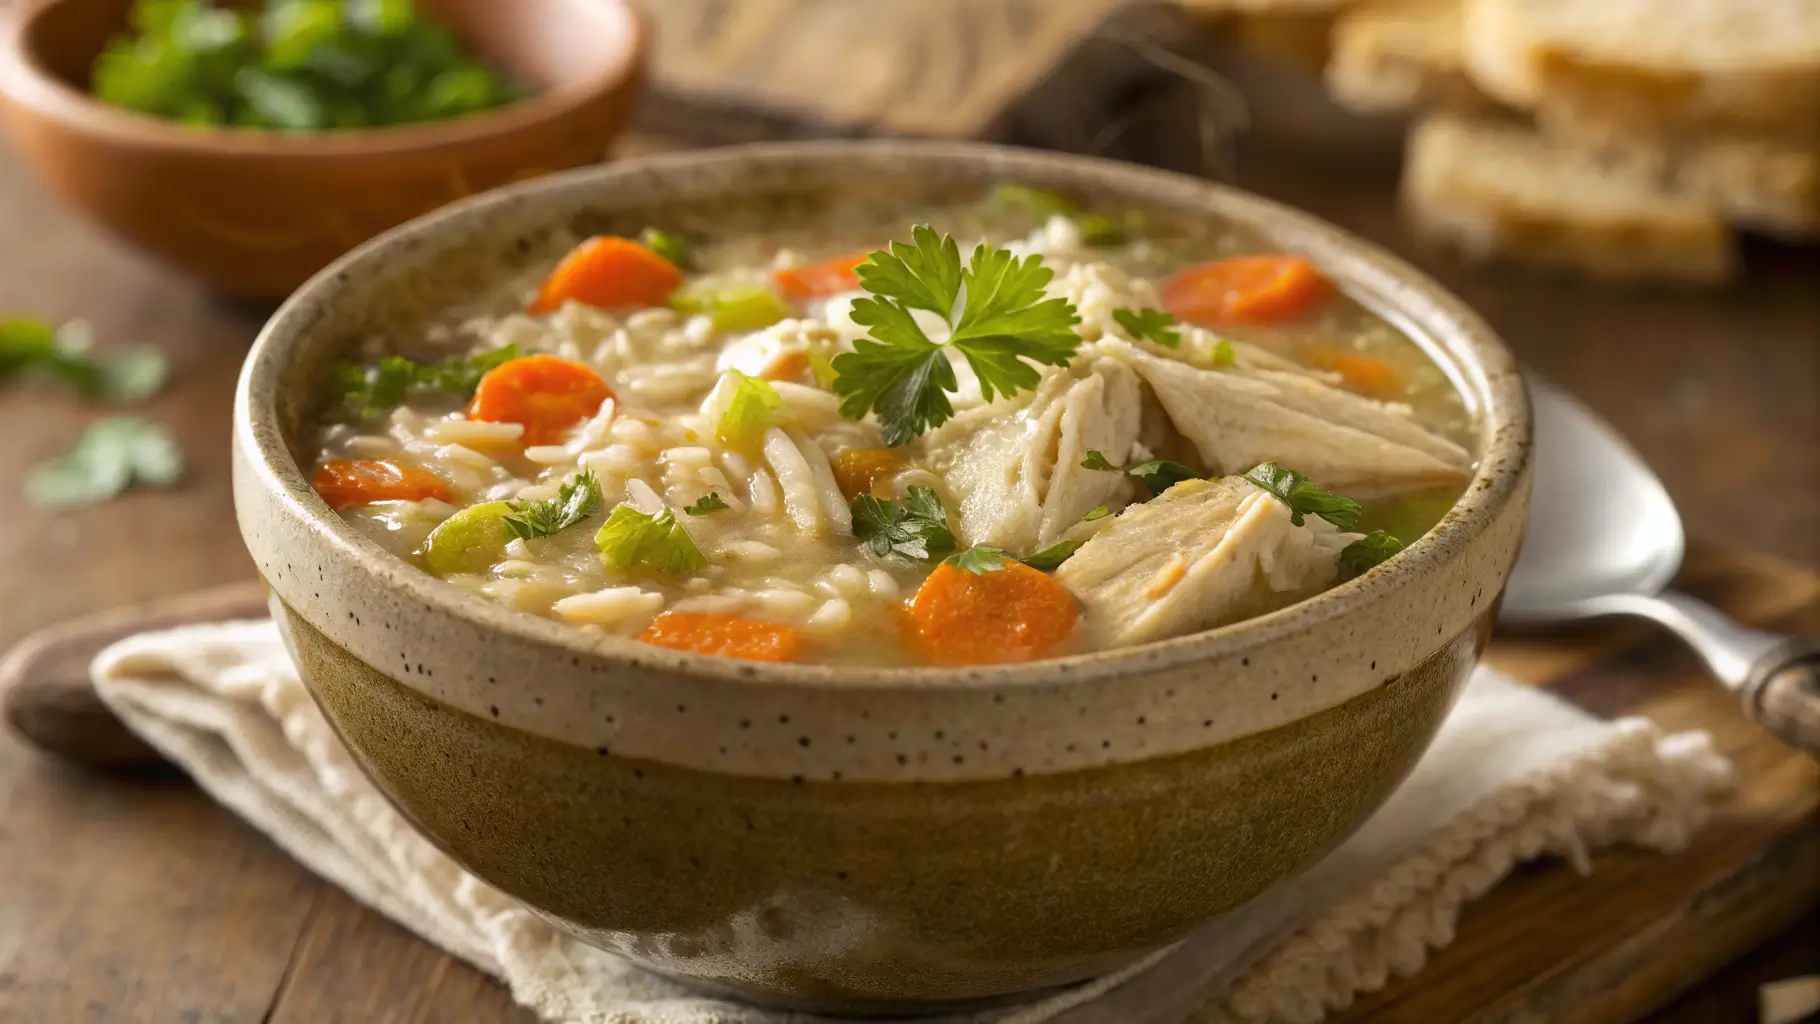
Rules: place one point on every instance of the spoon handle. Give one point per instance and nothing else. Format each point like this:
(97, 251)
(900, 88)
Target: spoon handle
(1783, 693)
(1776, 677)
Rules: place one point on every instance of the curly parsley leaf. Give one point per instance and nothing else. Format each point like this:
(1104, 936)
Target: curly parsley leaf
(979, 559)
(1304, 498)
(708, 503)
(1051, 558)
(372, 390)
(630, 537)
(575, 500)
(917, 529)
(925, 274)
(1004, 325)
(112, 455)
(1153, 324)
(1097, 512)
(1368, 552)
(1158, 474)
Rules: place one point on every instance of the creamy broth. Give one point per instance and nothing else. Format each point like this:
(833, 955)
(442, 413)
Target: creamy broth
(783, 551)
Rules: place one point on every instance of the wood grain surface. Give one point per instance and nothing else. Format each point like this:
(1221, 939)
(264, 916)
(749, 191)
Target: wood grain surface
(143, 901)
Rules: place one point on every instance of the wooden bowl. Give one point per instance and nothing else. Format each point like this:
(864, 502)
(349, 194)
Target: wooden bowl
(886, 840)
(255, 213)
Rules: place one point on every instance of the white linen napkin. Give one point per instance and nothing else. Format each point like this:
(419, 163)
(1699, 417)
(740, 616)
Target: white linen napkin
(1515, 774)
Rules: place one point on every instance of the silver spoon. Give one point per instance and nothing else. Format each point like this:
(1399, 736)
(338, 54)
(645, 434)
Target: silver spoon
(1604, 539)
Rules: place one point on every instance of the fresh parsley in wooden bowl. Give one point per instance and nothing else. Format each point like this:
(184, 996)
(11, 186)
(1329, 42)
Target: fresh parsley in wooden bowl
(250, 152)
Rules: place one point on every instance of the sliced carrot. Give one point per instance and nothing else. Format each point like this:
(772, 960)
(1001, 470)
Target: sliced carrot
(1244, 290)
(347, 482)
(829, 277)
(1015, 614)
(791, 366)
(546, 394)
(728, 636)
(1362, 373)
(859, 470)
(607, 271)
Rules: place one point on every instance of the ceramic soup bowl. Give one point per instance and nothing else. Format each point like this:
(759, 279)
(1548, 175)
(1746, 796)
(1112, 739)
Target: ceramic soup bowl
(848, 840)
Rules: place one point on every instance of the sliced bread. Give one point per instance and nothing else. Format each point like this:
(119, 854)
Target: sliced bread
(1656, 67)
(1502, 190)
(1401, 56)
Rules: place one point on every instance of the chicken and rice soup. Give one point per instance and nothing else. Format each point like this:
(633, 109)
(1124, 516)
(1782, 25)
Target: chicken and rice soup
(1021, 429)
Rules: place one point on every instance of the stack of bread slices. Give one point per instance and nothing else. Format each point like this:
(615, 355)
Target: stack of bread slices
(1617, 139)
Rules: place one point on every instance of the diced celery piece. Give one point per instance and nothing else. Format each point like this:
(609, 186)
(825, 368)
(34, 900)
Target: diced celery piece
(752, 411)
(468, 541)
(732, 307)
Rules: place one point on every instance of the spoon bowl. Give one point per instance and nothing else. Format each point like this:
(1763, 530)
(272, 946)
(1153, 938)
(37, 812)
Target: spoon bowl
(1605, 540)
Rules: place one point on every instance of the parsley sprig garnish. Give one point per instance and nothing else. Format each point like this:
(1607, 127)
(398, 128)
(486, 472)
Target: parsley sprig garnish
(1154, 324)
(575, 500)
(371, 390)
(1304, 498)
(1368, 552)
(998, 320)
(1157, 474)
(917, 529)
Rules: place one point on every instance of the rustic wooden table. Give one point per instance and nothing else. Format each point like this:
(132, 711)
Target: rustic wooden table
(143, 901)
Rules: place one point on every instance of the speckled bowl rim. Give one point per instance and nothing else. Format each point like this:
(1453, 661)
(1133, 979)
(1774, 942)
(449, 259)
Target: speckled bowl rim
(24, 80)
(1371, 274)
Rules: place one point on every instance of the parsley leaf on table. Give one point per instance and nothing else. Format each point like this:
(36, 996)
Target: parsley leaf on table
(1051, 558)
(630, 537)
(1149, 323)
(917, 529)
(1158, 474)
(1304, 498)
(1002, 325)
(371, 390)
(113, 454)
(1368, 552)
(67, 353)
(979, 559)
(707, 503)
(575, 500)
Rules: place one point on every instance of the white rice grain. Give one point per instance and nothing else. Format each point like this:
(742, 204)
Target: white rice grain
(473, 433)
(370, 445)
(549, 454)
(882, 584)
(763, 489)
(643, 497)
(831, 619)
(750, 552)
(847, 580)
(791, 604)
(688, 456)
(610, 607)
(712, 604)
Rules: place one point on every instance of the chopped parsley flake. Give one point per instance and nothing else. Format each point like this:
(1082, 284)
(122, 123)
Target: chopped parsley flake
(708, 503)
(917, 529)
(1153, 324)
(1304, 498)
(575, 500)
(979, 559)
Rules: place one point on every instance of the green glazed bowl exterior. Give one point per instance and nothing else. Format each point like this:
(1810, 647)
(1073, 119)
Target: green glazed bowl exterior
(846, 840)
